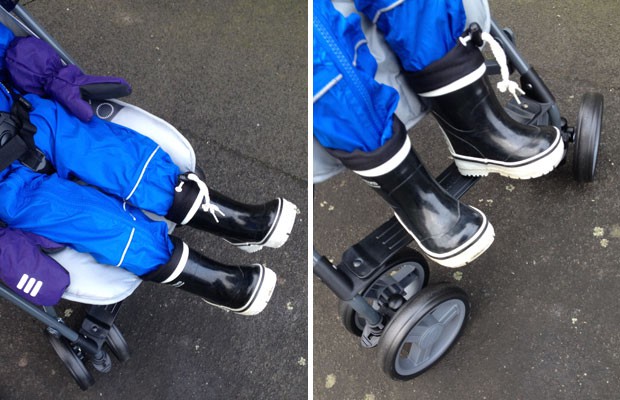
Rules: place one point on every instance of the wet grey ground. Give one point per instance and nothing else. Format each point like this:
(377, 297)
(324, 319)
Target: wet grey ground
(545, 315)
(232, 77)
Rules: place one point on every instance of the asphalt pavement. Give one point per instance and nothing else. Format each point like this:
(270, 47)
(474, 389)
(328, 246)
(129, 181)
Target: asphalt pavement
(545, 315)
(232, 77)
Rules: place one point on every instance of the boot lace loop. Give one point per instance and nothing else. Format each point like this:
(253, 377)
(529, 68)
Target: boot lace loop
(498, 52)
(203, 192)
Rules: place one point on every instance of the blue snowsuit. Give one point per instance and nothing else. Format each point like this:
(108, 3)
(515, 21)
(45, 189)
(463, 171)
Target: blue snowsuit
(124, 172)
(352, 111)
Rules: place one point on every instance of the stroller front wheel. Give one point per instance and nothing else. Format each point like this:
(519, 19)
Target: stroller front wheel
(117, 344)
(423, 331)
(587, 136)
(71, 359)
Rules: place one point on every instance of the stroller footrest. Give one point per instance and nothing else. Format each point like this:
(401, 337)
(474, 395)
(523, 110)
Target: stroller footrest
(104, 315)
(375, 249)
(455, 183)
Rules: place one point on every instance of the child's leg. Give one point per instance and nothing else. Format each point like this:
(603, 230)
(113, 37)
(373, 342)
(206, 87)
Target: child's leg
(113, 158)
(133, 168)
(353, 119)
(116, 233)
(85, 218)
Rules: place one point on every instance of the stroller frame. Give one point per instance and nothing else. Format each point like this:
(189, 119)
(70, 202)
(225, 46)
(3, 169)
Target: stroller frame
(381, 285)
(72, 347)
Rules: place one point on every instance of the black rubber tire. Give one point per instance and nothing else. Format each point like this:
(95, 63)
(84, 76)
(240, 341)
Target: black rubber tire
(355, 325)
(71, 360)
(117, 344)
(433, 299)
(587, 136)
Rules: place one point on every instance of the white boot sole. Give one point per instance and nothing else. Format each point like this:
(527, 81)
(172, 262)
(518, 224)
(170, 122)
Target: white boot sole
(465, 253)
(534, 167)
(280, 231)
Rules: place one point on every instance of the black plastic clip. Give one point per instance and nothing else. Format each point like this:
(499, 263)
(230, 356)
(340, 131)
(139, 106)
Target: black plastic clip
(475, 31)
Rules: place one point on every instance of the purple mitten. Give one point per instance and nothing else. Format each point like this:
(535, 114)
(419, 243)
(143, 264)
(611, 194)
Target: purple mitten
(35, 67)
(28, 270)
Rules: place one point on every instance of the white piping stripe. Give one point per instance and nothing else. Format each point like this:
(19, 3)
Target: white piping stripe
(35, 290)
(148, 161)
(180, 266)
(133, 230)
(357, 46)
(458, 84)
(388, 8)
(390, 164)
(22, 281)
(330, 85)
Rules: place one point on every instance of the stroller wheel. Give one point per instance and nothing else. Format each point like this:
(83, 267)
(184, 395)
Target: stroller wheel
(117, 344)
(423, 330)
(404, 274)
(587, 135)
(72, 360)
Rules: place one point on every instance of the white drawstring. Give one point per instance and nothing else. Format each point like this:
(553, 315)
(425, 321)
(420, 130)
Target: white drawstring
(203, 192)
(500, 56)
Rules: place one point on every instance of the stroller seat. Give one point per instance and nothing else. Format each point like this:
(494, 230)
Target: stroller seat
(94, 283)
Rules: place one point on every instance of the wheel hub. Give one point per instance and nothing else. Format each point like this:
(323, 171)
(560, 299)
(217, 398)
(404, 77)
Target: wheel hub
(430, 336)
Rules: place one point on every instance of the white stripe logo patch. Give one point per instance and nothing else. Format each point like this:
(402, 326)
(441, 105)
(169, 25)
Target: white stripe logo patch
(29, 285)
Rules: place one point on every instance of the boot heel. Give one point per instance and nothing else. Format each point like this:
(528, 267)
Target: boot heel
(468, 168)
(280, 230)
(533, 167)
(263, 293)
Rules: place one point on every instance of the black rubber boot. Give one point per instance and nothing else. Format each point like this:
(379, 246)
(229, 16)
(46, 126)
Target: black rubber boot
(448, 231)
(249, 227)
(245, 290)
(481, 136)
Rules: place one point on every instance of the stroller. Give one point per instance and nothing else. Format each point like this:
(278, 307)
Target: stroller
(382, 285)
(102, 287)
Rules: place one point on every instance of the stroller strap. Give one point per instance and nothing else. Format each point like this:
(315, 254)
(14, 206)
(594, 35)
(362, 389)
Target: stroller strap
(17, 138)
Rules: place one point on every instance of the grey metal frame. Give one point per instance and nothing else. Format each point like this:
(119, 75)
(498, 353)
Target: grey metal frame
(521, 65)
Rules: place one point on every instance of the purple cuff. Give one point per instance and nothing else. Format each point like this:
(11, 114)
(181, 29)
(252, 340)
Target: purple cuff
(28, 270)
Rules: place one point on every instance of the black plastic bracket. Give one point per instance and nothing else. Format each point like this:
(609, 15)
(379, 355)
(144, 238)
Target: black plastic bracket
(98, 321)
(529, 112)
(371, 335)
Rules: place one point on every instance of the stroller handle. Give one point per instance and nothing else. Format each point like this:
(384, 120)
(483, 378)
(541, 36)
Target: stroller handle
(38, 30)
